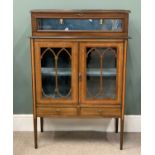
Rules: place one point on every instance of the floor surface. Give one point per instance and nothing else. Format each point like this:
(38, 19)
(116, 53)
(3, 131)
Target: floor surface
(76, 143)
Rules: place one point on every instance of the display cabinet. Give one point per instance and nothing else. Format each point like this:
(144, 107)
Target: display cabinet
(79, 65)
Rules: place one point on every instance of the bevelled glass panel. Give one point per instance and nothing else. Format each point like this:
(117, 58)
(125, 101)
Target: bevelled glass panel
(64, 72)
(47, 72)
(93, 72)
(101, 73)
(56, 72)
(110, 64)
(67, 24)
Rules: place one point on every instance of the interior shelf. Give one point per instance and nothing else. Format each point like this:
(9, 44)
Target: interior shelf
(67, 71)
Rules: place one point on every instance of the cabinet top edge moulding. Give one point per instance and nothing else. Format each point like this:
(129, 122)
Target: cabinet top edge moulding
(80, 10)
(80, 23)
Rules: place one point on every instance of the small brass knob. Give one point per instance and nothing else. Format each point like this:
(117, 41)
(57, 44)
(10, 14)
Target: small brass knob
(80, 76)
(80, 14)
(100, 111)
(57, 110)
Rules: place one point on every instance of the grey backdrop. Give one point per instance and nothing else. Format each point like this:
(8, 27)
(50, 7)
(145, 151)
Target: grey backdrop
(22, 64)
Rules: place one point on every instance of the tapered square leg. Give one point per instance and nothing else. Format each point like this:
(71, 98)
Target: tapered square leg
(116, 124)
(121, 133)
(41, 124)
(35, 133)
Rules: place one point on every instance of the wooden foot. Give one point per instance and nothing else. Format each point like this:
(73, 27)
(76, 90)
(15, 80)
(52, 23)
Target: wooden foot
(116, 124)
(121, 133)
(41, 124)
(35, 133)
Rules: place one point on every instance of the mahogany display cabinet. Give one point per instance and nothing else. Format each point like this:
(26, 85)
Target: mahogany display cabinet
(79, 65)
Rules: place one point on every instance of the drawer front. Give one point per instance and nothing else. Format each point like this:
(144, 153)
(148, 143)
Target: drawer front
(56, 112)
(101, 112)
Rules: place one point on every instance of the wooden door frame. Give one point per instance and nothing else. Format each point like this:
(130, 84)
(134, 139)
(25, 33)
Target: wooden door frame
(74, 75)
(82, 71)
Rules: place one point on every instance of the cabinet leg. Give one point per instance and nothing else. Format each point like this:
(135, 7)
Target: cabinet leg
(116, 124)
(121, 133)
(41, 124)
(35, 133)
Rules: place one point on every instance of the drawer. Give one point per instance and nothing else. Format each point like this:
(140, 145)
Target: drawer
(48, 111)
(101, 112)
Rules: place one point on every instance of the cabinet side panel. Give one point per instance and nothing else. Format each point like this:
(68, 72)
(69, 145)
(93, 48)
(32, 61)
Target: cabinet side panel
(33, 76)
(124, 76)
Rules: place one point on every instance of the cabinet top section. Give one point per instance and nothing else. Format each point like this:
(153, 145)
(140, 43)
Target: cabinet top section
(78, 11)
(101, 23)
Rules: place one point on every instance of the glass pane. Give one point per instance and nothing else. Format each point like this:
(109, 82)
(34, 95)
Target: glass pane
(56, 72)
(101, 73)
(109, 65)
(64, 66)
(47, 70)
(67, 24)
(93, 78)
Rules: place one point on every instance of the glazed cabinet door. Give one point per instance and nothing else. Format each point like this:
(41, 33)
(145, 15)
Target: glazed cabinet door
(101, 72)
(56, 72)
